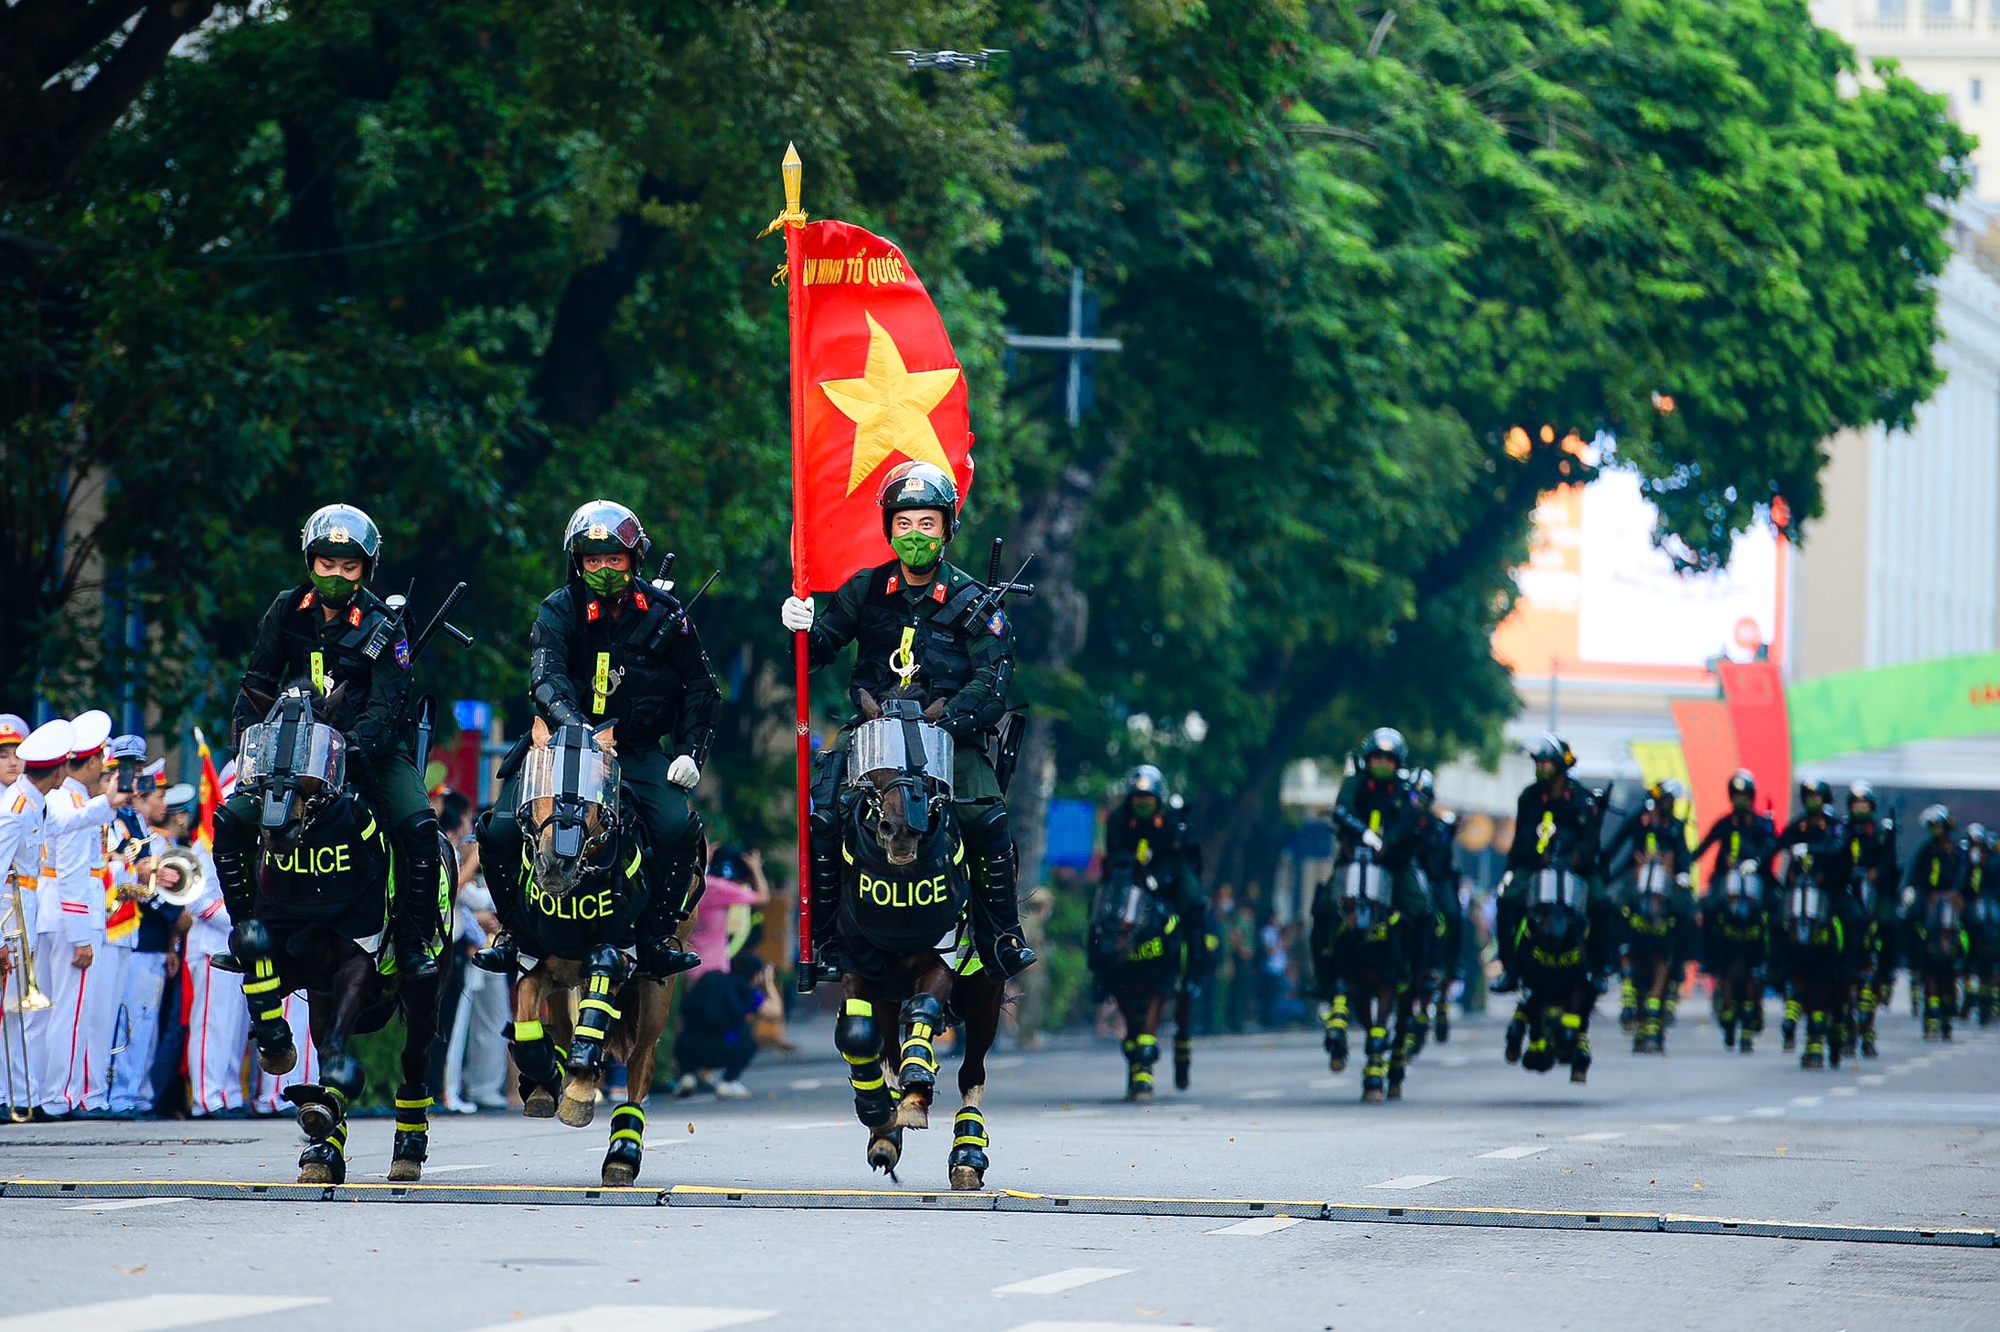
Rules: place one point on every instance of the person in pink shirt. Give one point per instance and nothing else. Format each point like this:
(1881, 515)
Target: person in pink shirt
(734, 889)
(719, 998)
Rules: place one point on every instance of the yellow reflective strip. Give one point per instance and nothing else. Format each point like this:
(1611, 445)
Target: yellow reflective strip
(594, 1004)
(1375, 821)
(262, 986)
(859, 1008)
(968, 1142)
(424, 1104)
(600, 684)
(859, 1061)
(633, 868)
(421, 1126)
(527, 1031)
(869, 1085)
(319, 672)
(846, 855)
(629, 1135)
(369, 831)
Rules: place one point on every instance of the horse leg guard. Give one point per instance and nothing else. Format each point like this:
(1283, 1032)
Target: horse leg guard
(628, 1145)
(413, 1134)
(860, 1044)
(1654, 1028)
(1815, 1051)
(1517, 1032)
(1789, 1028)
(1183, 1062)
(1399, 1067)
(1628, 1003)
(922, 1019)
(1579, 1060)
(322, 1110)
(263, 991)
(968, 1148)
(1335, 1039)
(1141, 1053)
(324, 1161)
(541, 1074)
(594, 1012)
(1375, 1072)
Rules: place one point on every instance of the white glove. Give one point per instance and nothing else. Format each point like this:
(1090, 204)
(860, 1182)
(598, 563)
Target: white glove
(797, 613)
(1372, 840)
(683, 772)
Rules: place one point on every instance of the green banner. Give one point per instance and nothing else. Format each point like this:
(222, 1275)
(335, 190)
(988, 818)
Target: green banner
(1857, 711)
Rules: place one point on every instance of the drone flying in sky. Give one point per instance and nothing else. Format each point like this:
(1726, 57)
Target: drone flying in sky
(949, 59)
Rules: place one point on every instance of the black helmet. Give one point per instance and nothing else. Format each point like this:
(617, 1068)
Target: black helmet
(1861, 790)
(1742, 783)
(605, 527)
(1146, 780)
(1976, 832)
(341, 532)
(919, 485)
(1424, 783)
(1666, 791)
(1386, 740)
(1936, 818)
(1822, 788)
(1552, 748)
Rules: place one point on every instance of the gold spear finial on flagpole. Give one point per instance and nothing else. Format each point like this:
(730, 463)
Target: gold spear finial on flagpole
(793, 170)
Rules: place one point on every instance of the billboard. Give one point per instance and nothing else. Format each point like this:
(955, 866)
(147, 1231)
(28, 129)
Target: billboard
(1599, 602)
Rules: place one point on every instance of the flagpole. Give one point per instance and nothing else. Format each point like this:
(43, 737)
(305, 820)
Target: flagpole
(794, 218)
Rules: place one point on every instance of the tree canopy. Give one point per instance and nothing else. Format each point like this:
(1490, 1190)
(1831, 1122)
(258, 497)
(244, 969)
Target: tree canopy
(470, 264)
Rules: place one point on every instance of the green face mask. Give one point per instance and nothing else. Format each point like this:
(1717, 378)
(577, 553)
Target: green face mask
(335, 590)
(917, 550)
(608, 582)
(1382, 770)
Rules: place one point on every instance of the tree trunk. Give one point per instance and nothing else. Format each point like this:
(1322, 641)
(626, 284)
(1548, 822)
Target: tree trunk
(1053, 635)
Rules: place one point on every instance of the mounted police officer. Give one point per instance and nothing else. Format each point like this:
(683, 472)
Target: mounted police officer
(1376, 810)
(1861, 874)
(333, 631)
(1146, 817)
(919, 610)
(609, 646)
(1554, 816)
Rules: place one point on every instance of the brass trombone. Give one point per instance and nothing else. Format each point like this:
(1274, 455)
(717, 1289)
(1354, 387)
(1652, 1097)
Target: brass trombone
(18, 937)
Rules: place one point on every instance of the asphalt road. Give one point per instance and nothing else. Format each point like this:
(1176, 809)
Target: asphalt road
(1906, 1143)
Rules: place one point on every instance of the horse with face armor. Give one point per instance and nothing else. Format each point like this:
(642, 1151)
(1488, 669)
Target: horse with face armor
(321, 925)
(904, 943)
(580, 1004)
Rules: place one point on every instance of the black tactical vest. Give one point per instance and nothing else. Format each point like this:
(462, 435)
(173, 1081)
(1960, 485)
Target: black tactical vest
(343, 651)
(933, 626)
(619, 666)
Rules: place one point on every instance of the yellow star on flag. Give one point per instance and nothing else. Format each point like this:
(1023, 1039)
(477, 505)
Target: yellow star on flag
(890, 406)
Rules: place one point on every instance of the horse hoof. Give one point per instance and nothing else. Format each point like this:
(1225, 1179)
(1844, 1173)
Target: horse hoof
(1337, 1063)
(885, 1152)
(280, 1061)
(619, 1174)
(315, 1172)
(1373, 1096)
(913, 1113)
(1579, 1075)
(964, 1178)
(1395, 1091)
(405, 1172)
(539, 1104)
(578, 1106)
(317, 1122)
(1140, 1095)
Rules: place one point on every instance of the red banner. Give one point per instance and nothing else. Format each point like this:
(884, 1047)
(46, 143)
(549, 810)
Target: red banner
(874, 382)
(1708, 741)
(211, 793)
(1763, 729)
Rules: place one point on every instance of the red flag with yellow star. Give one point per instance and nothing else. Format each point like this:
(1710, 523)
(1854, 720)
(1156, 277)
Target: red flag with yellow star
(874, 382)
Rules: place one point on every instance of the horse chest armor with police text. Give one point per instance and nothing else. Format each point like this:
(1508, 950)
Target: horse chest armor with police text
(337, 875)
(619, 674)
(937, 642)
(600, 911)
(905, 908)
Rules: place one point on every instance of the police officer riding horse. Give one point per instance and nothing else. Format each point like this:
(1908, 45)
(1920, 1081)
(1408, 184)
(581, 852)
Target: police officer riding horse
(593, 850)
(328, 856)
(909, 820)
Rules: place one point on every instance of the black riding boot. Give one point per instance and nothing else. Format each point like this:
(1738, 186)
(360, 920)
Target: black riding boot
(671, 871)
(996, 912)
(1506, 927)
(500, 862)
(416, 913)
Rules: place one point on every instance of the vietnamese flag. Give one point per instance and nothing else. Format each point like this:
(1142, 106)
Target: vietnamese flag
(211, 793)
(874, 383)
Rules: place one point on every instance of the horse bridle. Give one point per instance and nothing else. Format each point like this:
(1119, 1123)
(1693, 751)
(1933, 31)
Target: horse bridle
(282, 784)
(569, 813)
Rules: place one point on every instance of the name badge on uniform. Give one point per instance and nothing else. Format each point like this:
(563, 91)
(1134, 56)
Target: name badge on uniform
(601, 684)
(319, 672)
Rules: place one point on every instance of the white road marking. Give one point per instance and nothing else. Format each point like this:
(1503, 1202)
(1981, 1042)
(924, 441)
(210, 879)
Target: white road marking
(120, 1204)
(1601, 1136)
(1410, 1181)
(1718, 1119)
(1767, 1112)
(1259, 1225)
(1261, 1094)
(1898, 1070)
(1071, 1114)
(1664, 1128)
(1042, 1325)
(1323, 1084)
(1872, 1079)
(635, 1318)
(1844, 1091)
(149, 1312)
(1807, 1100)
(810, 1124)
(1055, 1283)
(810, 1084)
(1453, 1061)
(1511, 1153)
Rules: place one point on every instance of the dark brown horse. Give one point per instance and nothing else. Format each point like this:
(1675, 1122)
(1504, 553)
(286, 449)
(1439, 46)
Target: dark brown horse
(321, 925)
(1136, 956)
(1362, 958)
(904, 942)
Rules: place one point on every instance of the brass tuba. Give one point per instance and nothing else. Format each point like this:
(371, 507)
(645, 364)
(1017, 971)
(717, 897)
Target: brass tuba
(193, 880)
